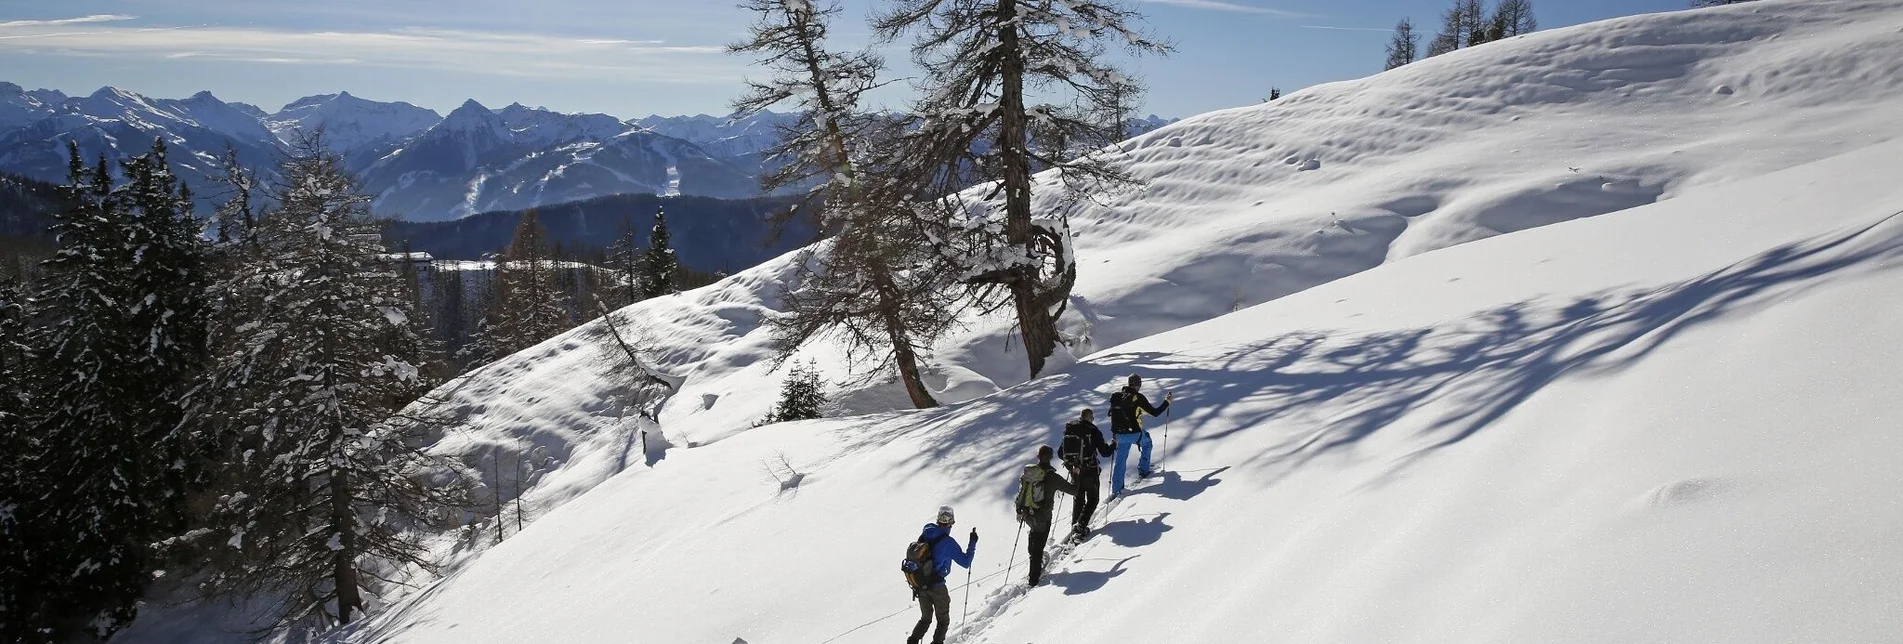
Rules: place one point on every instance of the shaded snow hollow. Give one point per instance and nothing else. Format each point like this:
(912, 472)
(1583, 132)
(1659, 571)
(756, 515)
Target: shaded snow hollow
(1666, 423)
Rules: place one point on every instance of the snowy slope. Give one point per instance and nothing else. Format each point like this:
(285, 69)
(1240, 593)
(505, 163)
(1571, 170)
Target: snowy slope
(1762, 130)
(1451, 149)
(1669, 424)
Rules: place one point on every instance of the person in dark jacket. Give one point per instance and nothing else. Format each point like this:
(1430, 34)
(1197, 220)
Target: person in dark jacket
(1083, 445)
(945, 552)
(1126, 423)
(1037, 517)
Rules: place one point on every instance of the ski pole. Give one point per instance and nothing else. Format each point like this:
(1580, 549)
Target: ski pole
(1011, 557)
(961, 620)
(1166, 432)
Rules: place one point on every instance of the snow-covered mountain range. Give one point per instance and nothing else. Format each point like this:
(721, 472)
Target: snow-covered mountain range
(422, 166)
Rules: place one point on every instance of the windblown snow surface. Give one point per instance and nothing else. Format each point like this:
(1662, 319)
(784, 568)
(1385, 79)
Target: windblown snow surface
(1583, 336)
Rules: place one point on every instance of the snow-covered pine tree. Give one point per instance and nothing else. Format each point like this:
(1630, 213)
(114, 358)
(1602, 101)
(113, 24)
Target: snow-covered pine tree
(326, 480)
(979, 57)
(1401, 50)
(658, 266)
(125, 298)
(529, 305)
(18, 582)
(236, 217)
(873, 283)
(16, 358)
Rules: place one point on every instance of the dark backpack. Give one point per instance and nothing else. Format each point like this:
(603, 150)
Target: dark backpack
(1071, 450)
(1076, 450)
(921, 572)
(1123, 413)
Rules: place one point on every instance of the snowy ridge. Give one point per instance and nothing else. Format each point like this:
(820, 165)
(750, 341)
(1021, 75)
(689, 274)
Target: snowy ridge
(478, 160)
(352, 125)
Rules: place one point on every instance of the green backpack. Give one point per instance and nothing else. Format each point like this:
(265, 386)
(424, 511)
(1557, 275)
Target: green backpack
(1031, 492)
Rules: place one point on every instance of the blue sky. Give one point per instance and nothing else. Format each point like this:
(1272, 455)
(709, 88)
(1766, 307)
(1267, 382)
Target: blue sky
(631, 58)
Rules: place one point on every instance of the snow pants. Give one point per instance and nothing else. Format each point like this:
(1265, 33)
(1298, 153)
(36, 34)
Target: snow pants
(1140, 440)
(1089, 487)
(1039, 537)
(932, 601)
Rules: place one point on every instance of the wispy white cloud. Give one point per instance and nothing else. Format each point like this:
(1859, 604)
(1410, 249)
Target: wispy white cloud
(104, 17)
(482, 52)
(1348, 28)
(1233, 7)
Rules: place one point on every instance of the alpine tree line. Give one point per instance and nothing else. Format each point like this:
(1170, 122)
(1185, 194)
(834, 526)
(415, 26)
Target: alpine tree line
(535, 291)
(1465, 24)
(1007, 87)
(242, 413)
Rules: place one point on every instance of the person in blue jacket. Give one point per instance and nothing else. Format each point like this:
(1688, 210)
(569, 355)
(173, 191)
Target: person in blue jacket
(936, 599)
(1126, 425)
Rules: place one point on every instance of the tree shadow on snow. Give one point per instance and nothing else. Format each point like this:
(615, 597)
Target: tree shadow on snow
(1344, 389)
(1078, 583)
(1340, 389)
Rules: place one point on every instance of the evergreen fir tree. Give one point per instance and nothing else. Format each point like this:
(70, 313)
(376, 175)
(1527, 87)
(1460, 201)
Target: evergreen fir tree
(16, 356)
(326, 481)
(126, 298)
(802, 395)
(658, 266)
(18, 582)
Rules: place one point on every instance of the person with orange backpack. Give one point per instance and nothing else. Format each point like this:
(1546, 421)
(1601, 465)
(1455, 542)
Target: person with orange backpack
(927, 564)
